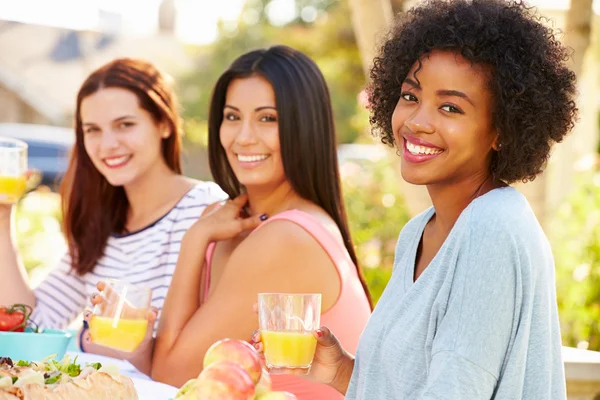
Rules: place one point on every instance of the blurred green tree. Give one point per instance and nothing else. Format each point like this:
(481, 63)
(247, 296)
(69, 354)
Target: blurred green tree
(321, 29)
(575, 236)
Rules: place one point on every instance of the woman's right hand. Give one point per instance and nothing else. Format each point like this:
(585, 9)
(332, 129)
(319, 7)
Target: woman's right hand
(224, 220)
(141, 357)
(332, 365)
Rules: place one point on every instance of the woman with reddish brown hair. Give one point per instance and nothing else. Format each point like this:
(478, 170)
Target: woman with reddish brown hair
(126, 204)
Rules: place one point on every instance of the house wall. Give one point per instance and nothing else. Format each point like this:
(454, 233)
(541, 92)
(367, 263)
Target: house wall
(13, 109)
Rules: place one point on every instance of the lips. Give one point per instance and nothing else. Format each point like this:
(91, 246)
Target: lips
(252, 157)
(117, 162)
(416, 150)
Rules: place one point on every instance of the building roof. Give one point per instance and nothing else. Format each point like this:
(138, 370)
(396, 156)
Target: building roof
(46, 65)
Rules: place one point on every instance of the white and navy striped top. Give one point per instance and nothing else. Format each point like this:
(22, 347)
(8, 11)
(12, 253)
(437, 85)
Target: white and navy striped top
(146, 257)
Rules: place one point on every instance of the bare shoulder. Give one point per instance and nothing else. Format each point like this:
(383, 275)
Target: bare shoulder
(276, 241)
(280, 236)
(287, 258)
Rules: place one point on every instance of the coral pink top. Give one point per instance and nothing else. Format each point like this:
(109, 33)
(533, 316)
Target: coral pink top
(348, 316)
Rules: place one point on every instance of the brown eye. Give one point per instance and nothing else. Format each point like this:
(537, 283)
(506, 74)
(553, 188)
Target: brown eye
(451, 109)
(268, 118)
(408, 97)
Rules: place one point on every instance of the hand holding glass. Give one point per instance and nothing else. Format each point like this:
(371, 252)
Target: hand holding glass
(13, 169)
(286, 322)
(121, 320)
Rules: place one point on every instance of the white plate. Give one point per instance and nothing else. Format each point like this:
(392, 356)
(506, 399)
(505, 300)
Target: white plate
(150, 390)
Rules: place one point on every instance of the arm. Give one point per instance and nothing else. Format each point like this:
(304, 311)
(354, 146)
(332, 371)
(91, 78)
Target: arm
(480, 323)
(60, 297)
(14, 286)
(289, 263)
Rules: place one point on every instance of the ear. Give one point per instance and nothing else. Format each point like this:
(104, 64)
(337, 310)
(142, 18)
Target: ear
(165, 130)
(496, 145)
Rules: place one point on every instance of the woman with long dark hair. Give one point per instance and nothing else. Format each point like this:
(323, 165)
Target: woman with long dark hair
(126, 204)
(272, 148)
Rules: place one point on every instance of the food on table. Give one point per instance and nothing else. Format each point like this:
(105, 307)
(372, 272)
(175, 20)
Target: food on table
(49, 379)
(233, 370)
(14, 318)
(236, 351)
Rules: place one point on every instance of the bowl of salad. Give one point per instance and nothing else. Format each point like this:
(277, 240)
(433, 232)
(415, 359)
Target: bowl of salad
(20, 339)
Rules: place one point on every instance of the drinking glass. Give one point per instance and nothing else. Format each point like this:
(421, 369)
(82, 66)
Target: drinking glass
(13, 168)
(121, 320)
(286, 322)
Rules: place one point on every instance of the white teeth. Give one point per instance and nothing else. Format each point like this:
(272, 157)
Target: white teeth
(111, 162)
(420, 150)
(252, 158)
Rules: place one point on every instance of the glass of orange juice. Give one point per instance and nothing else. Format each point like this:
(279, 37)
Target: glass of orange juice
(121, 320)
(286, 322)
(13, 168)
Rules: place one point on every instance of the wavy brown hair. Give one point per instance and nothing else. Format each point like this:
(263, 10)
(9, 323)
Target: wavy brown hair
(92, 207)
(306, 131)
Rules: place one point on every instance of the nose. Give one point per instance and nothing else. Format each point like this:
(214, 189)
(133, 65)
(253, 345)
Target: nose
(420, 121)
(246, 135)
(109, 139)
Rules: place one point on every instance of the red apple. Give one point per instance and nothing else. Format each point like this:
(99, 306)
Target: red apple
(277, 396)
(264, 384)
(224, 381)
(236, 351)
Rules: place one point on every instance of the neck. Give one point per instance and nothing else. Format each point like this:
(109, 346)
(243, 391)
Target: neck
(272, 201)
(150, 191)
(450, 200)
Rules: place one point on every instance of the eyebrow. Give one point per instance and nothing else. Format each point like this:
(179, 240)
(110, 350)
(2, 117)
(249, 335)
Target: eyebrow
(115, 120)
(256, 109)
(443, 92)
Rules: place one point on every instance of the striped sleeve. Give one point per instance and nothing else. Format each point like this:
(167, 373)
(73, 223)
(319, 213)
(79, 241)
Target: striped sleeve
(59, 298)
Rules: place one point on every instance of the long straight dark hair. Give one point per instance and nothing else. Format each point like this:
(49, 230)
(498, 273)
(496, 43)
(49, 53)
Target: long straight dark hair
(92, 207)
(306, 131)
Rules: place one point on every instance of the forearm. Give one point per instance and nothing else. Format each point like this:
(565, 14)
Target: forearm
(181, 304)
(342, 378)
(14, 286)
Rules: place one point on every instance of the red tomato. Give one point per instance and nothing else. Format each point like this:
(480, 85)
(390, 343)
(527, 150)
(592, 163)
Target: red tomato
(14, 318)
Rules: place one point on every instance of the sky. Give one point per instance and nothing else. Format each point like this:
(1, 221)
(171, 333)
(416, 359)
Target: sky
(196, 22)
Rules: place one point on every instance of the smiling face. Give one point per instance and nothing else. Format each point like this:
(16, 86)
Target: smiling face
(249, 133)
(442, 123)
(122, 139)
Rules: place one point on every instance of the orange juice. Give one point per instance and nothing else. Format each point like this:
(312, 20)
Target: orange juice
(11, 188)
(126, 335)
(288, 349)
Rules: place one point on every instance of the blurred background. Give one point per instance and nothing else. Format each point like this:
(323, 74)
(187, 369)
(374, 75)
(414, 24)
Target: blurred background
(47, 48)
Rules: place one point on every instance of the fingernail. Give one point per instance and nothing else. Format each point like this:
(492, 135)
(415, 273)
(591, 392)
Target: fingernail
(256, 346)
(264, 217)
(319, 333)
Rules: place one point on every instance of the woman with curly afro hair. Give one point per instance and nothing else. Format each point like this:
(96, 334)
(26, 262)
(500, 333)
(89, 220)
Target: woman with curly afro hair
(472, 94)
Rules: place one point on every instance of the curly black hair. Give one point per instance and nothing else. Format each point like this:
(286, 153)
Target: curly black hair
(533, 89)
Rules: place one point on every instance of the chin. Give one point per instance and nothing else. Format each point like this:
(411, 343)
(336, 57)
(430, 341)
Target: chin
(415, 177)
(118, 181)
